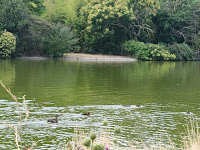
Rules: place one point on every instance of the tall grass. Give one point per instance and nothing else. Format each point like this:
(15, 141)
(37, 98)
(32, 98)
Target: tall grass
(191, 141)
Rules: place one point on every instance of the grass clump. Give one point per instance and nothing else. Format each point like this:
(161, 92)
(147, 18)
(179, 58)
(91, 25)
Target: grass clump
(192, 139)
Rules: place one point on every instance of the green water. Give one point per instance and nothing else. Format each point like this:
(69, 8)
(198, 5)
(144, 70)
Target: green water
(164, 89)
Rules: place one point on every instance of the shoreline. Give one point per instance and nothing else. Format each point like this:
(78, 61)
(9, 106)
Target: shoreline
(85, 57)
(96, 57)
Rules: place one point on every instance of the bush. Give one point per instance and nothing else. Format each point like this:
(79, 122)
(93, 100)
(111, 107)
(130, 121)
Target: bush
(134, 46)
(182, 51)
(159, 52)
(60, 40)
(7, 44)
(149, 51)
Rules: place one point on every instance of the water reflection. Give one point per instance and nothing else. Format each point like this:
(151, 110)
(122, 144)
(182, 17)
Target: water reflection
(71, 83)
(7, 71)
(165, 90)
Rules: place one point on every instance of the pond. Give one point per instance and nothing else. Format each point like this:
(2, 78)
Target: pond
(165, 90)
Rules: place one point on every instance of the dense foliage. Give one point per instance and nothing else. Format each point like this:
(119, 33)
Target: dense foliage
(36, 7)
(17, 17)
(58, 41)
(105, 25)
(7, 44)
(148, 51)
(13, 16)
(182, 51)
(31, 38)
(63, 11)
(109, 27)
(179, 21)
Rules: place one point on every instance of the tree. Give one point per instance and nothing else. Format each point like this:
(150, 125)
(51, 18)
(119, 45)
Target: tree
(13, 16)
(30, 39)
(64, 11)
(179, 21)
(60, 40)
(109, 23)
(36, 7)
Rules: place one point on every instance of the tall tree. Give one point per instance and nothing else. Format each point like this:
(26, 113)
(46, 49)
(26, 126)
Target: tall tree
(179, 21)
(36, 7)
(64, 11)
(109, 23)
(13, 15)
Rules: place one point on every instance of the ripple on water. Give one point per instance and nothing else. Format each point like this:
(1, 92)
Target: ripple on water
(137, 123)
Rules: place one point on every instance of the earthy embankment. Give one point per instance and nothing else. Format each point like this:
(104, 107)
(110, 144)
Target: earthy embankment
(92, 57)
(87, 57)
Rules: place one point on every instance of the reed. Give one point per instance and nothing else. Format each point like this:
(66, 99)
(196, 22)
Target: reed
(14, 98)
(15, 128)
(192, 139)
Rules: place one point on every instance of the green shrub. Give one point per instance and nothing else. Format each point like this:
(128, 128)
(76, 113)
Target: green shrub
(7, 44)
(137, 49)
(144, 54)
(159, 52)
(182, 51)
(134, 46)
(98, 147)
(148, 51)
(60, 40)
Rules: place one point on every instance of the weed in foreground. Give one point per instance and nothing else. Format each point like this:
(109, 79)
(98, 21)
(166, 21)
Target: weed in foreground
(17, 129)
